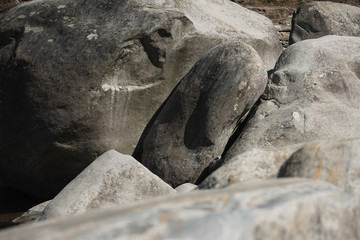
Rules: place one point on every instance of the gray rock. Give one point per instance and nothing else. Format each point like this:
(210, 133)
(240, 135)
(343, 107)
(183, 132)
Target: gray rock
(32, 214)
(81, 77)
(195, 124)
(113, 179)
(186, 187)
(337, 162)
(272, 209)
(312, 95)
(250, 165)
(233, 22)
(317, 19)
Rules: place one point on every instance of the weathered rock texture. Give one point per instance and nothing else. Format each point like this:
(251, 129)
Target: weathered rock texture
(250, 165)
(277, 209)
(312, 95)
(203, 111)
(317, 19)
(337, 162)
(113, 179)
(32, 214)
(81, 77)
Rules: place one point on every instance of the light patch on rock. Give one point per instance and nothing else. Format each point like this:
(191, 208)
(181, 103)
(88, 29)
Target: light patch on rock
(242, 85)
(61, 6)
(296, 116)
(33, 29)
(92, 35)
(71, 25)
(21, 16)
(235, 106)
(50, 40)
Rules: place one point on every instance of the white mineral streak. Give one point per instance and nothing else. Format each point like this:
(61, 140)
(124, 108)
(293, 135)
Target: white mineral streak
(33, 29)
(106, 87)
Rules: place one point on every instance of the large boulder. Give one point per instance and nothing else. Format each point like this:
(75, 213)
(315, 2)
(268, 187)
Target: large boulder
(197, 120)
(317, 19)
(276, 209)
(337, 162)
(312, 95)
(80, 77)
(113, 179)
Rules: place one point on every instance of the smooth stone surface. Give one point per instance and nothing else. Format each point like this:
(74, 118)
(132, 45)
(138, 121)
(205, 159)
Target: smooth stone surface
(337, 162)
(272, 209)
(197, 120)
(113, 179)
(79, 77)
(317, 19)
(186, 187)
(250, 165)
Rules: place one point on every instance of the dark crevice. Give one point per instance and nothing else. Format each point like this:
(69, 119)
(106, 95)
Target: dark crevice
(17, 35)
(164, 33)
(214, 164)
(155, 54)
(240, 128)
(7, 38)
(14, 203)
(271, 71)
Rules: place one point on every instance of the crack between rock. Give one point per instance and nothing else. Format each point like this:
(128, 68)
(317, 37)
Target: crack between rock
(237, 132)
(17, 35)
